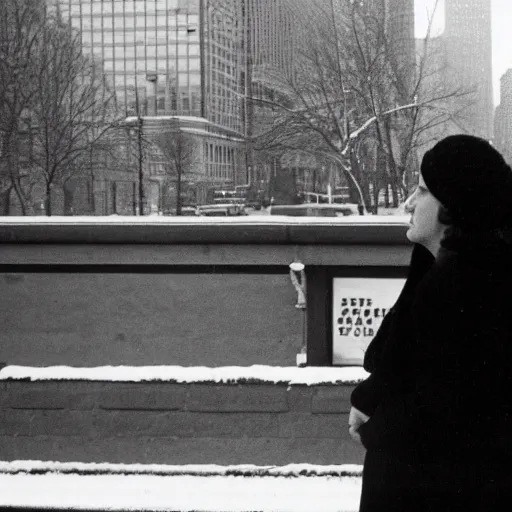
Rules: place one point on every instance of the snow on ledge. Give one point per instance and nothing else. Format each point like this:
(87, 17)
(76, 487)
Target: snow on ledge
(250, 470)
(120, 220)
(312, 375)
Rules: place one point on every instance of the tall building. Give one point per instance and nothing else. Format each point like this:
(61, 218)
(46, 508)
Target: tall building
(291, 39)
(271, 45)
(436, 123)
(469, 58)
(271, 35)
(175, 63)
(503, 118)
(145, 46)
(400, 27)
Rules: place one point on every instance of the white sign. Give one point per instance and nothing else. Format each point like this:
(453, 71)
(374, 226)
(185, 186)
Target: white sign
(358, 307)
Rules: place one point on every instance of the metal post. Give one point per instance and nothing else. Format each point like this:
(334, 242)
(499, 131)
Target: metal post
(140, 156)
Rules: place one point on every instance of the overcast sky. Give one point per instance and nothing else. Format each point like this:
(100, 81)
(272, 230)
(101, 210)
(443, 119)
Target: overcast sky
(501, 33)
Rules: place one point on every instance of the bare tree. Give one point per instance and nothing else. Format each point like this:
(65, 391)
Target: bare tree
(180, 150)
(352, 99)
(22, 23)
(386, 71)
(73, 108)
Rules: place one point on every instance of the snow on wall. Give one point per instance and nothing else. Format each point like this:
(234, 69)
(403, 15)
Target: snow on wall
(291, 375)
(88, 468)
(239, 220)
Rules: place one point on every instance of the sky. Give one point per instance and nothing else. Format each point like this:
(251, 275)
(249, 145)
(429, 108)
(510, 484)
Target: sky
(501, 20)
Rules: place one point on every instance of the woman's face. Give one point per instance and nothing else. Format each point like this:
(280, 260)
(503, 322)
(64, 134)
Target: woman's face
(425, 228)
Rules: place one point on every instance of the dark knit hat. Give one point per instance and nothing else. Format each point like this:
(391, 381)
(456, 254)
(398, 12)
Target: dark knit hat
(471, 180)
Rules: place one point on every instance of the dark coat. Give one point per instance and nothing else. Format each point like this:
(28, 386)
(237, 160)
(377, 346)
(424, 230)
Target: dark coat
(439, 395)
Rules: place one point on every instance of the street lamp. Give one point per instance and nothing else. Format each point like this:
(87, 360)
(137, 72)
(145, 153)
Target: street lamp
(140, 156)
(153, 78)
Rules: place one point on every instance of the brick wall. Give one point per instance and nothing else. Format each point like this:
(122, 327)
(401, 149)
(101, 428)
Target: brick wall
(170, 423)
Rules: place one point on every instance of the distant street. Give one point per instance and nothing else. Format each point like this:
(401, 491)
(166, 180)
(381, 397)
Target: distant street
(263, 211)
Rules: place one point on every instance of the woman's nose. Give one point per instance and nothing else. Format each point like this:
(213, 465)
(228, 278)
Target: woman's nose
(409, 204)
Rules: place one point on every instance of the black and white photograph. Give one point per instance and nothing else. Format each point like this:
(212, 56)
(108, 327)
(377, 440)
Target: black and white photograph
(256, 255)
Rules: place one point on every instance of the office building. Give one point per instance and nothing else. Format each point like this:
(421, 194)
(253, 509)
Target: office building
(400, 27)
(503, 118)
(174, 63)
(271, 57)
(469, 58)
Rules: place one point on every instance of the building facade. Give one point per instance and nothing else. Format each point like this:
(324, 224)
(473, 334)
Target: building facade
(166, 58)
(503, 118)
(400, 27)
(469, 58)
(272, 35)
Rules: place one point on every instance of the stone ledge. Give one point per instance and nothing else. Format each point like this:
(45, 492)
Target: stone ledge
(384, 230)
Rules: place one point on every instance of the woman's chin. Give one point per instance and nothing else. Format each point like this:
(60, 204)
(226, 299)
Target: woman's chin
(411, 234)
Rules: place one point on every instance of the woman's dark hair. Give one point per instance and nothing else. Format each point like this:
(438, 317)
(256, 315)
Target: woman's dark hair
(456, 237)
(444, 216)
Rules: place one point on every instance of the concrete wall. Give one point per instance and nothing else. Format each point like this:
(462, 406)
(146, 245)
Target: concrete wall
(177, 292)
(169, 423)
(174, 292)
(130, 318)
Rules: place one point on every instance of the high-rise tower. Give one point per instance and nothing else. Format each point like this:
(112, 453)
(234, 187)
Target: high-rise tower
(174, 63)
(503, 118)
(400, 27)
(469, 58)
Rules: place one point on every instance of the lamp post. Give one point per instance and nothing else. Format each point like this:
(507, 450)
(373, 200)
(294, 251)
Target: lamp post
(140, 156)
(152, 78)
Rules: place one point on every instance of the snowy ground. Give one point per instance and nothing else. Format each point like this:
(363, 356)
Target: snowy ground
(191, 488)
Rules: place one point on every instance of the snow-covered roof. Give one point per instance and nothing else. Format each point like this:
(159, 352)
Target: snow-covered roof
(290, 375)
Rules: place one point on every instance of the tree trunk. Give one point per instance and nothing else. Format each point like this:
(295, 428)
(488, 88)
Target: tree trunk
(12, 163)
(394, 178)
(92, 196)
(5, 201)
(178, 189)
(21, 198)
(48, 200)
(380, 176)
(375, 205)
(358, 175)
(68, 190)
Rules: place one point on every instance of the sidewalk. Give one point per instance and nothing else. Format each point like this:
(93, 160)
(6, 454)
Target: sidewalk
(173, 488)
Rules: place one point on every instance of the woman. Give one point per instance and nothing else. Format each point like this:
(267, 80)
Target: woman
(435, 415)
